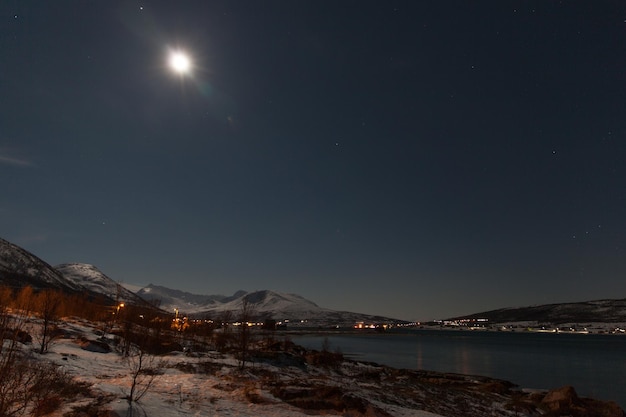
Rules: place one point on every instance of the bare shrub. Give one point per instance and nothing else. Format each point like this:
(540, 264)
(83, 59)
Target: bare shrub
(144, 369)
(98, 407)
(209, 368)
(252, 393)
(326, 359)
(27, 385)
(35, 387)
(223, 341)
(13, 367)
(245, 334)
(47, 406)
(49, 304)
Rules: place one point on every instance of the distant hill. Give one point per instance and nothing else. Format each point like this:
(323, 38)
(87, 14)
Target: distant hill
(291, 308)
(608, 311)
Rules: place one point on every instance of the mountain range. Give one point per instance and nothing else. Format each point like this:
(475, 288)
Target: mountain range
(19, 268)
(283, 307)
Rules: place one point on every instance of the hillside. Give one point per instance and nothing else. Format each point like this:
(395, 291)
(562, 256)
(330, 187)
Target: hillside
(91, 279)
(19, 268)
(608, 311)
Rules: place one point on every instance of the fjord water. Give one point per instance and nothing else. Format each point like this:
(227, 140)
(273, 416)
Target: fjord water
(594, 364)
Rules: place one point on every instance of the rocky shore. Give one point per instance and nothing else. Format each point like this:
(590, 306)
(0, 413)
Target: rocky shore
(324, 382)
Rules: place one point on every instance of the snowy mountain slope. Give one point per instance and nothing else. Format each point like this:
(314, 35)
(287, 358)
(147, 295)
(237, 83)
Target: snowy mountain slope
(263, 301)
(169, 299)
(90, 278)
(265, 304)
(268, 302)
(19, 268)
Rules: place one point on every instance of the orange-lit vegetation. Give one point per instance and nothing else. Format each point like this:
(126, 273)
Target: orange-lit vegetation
(31, 318)
(29, 387)
(31, 322)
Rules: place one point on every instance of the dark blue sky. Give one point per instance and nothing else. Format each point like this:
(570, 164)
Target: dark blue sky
(416, 159)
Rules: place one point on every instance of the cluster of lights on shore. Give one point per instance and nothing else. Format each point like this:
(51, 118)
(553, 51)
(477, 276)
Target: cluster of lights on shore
(181, 322)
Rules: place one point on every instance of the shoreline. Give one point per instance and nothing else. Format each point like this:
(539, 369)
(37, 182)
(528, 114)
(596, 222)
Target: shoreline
(521, 357)
(599, 328)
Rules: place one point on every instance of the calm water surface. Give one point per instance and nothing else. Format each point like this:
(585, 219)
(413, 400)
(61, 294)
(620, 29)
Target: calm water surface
(594, 364)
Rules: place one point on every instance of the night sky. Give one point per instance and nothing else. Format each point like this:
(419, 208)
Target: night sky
(415, 159)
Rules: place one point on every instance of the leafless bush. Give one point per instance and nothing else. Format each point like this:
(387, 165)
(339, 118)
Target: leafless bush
(144, 369)
(28, 386)
(245, 334)
(209, 368)
(325, 359)
(98, 407)
(252, 393)
(32, 387)
(49, 304)
(223, 341)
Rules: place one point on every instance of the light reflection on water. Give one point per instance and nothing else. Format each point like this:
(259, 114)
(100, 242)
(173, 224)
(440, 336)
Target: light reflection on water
(594, 364)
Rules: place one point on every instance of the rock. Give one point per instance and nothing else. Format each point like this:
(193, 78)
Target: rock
(607, 409)
(94, 346)
(565, 401)
(559, 399)
(497, 387)
(327, 400)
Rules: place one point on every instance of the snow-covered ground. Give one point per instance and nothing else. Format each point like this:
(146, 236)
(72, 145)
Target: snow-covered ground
(223, 391)
(276, 383)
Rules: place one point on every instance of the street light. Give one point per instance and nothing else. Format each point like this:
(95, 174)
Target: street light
(117, 311)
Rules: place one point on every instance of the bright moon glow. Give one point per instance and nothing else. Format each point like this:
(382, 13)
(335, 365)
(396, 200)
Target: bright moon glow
(180, 62)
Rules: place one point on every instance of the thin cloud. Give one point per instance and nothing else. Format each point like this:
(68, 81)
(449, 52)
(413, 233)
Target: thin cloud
(30, 239)
(7, 160)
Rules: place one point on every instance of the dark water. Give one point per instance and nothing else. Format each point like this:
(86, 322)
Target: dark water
(594, 364)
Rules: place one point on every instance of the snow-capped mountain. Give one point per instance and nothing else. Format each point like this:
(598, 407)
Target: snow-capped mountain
(168, 299)
(19, 268)
(264, 304)
(264, 301)
(90, 278)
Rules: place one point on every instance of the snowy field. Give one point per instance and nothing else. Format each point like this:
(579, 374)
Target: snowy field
(210, 384)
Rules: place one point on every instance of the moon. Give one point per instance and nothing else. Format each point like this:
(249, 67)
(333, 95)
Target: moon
(180, 62)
